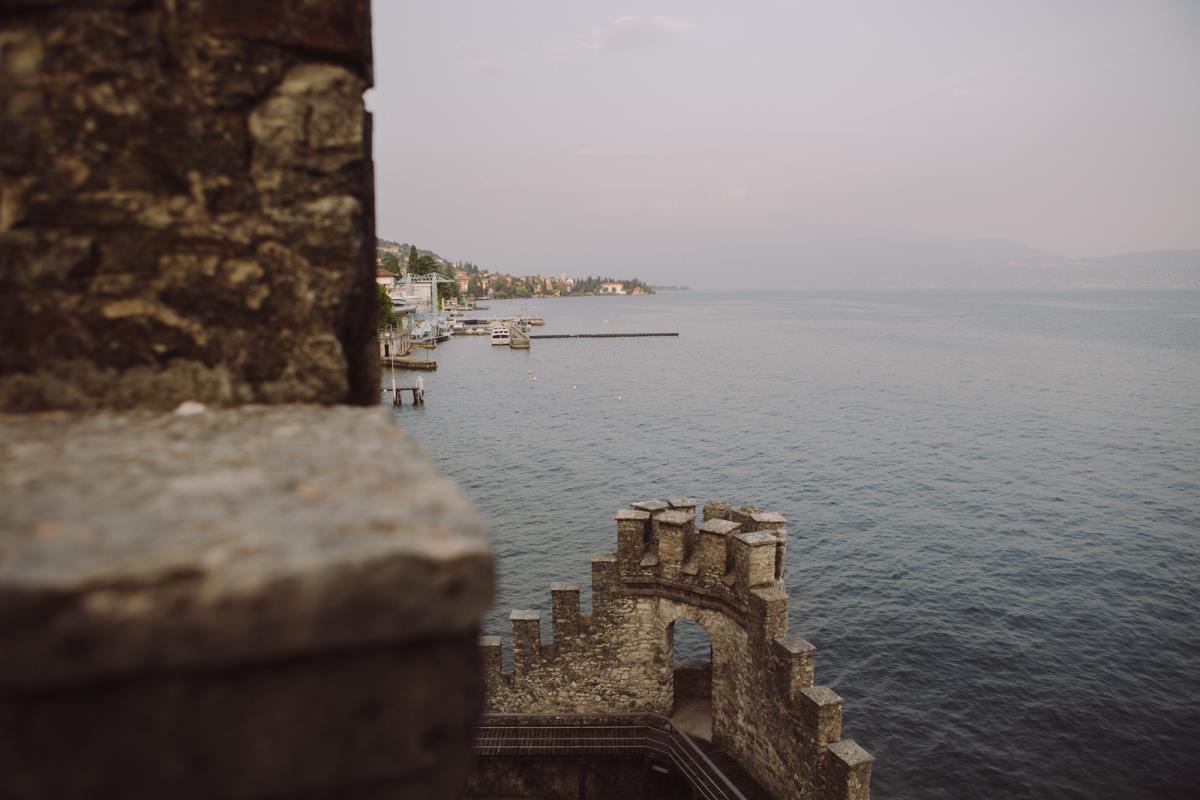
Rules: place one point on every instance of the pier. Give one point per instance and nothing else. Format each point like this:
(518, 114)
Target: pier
(418, 395)
(404, 362)
(597, 335)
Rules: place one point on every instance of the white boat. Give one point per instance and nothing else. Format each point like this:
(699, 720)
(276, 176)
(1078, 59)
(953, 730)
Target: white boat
(423, 332)
(500, 334)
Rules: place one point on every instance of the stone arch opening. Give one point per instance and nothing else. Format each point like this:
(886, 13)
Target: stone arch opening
(691, 650)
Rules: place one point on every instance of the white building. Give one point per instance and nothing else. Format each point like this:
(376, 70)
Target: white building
(612, 288)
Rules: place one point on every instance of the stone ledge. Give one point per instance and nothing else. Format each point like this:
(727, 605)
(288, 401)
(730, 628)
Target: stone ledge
(795, 644)
(150, 543)
(756, 538)
(849, 753)
(720, 527)
(676, 518)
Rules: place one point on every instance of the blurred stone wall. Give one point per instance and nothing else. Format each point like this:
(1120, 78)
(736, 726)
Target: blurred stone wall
(265, 593)
(186, 203)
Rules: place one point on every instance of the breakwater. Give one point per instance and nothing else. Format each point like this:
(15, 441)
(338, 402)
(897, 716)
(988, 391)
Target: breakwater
(598, 335)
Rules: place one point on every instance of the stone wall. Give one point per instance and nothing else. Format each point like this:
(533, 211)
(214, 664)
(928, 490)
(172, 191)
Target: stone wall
(262, 594)
(692, 679)
(260, 602)
(601, 778)
(723, 574)
(186, 204)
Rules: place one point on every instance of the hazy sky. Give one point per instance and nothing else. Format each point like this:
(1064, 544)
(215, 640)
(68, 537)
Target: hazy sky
(665, 139)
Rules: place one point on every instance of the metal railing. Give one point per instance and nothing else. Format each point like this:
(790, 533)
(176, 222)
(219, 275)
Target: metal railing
(604, 735)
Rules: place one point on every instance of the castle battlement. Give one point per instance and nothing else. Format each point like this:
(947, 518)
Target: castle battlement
(725, 574)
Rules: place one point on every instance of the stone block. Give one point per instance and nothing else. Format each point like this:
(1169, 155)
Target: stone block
(794, 664)
(196, 604)
(820, 709)
(713, 553)
(179, 540)
(754, 559)
(527, 638)
(397, 717)
(847, 771)
(334, 26)
(767, 520)
(565, 599)
(186, 205)
(671, 530)
(716, 509)
(766, 618)
(632, 537)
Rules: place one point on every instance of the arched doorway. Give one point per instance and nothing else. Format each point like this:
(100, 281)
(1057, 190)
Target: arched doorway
(692, 663)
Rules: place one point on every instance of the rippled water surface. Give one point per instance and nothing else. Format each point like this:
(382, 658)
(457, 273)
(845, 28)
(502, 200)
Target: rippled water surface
(994, 503)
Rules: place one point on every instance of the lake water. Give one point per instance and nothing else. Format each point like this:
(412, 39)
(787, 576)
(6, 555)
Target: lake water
(994, 503)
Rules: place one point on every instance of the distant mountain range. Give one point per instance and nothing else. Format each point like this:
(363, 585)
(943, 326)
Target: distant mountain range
(903, 261)
(872, 259)
(998, 263)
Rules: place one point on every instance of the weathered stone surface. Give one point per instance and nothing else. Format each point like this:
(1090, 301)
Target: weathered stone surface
(145, 542)
(395, 718)
(756, 539)
(183, 216)
(716, 509)
(673, 518)
(765, 710)
(607, 778)
(720, 527)
(263, 602)
(338, 26)
(768, 518)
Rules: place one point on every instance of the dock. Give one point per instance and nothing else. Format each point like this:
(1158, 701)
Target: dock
(596, 335)
(403, 362)
(418, 395)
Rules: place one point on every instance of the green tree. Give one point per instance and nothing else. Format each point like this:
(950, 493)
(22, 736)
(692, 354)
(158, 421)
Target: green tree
(447, 289)
(412, 259)
(387, 317)
(422, 265)
(390, 262)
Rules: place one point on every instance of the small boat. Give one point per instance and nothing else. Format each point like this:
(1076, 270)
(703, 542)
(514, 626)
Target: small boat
(518, 336)
(500, 335)
(423, 335)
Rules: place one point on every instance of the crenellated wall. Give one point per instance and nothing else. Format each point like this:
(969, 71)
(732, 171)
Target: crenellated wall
(725, 575)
